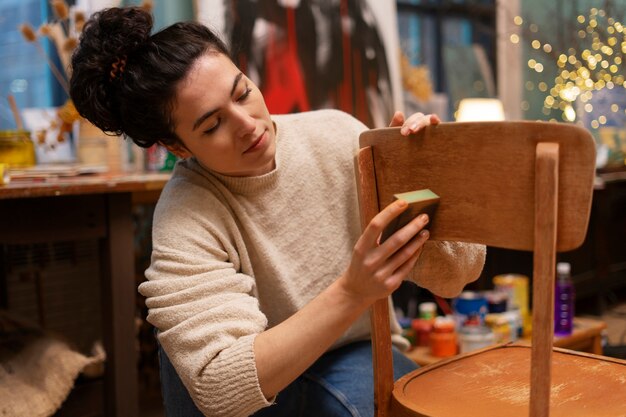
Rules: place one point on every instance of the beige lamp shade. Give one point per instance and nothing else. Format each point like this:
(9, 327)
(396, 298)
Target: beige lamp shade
(480, 110)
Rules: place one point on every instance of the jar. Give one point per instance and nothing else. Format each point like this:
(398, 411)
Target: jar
(443, 340)
(469, 308)
(475, 337)
(16, 149)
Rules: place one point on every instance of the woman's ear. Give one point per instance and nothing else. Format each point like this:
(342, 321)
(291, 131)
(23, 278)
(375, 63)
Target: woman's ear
(178, 149)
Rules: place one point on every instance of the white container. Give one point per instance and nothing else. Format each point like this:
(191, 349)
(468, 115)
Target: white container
(475, 337)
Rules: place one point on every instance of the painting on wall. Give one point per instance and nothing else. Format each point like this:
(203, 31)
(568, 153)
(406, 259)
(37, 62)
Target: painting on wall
(313, 54)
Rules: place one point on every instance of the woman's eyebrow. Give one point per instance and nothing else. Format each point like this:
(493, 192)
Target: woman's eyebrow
(208, 114)
(235, 82)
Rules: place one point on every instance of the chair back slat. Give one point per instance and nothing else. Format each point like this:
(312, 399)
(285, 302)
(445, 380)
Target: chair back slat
(484, 173)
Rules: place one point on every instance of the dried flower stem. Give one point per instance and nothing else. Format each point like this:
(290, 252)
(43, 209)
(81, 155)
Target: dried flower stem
(31, 36)
(16, 112)
(62, 11)
(55, 71)
(56, 34)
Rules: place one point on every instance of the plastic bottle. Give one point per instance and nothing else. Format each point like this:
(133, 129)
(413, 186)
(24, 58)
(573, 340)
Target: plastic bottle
(564, 300)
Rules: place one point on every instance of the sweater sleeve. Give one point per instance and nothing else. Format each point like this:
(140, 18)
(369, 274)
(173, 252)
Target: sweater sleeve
(445, 267)
(205, 310)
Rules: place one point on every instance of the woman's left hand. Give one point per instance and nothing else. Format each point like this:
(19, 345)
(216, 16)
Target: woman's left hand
(414, 122)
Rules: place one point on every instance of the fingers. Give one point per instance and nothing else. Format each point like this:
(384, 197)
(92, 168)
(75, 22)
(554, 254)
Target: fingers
(401, 247)
(381, 220)
(405, 234)
(375, 269)
(397, 120)
(418, 121)
(402, 261)
(396, 278)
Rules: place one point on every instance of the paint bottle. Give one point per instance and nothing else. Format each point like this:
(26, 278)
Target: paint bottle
(443, 340)
(469, 308)
(428, 310)
(422, 329)
(516, 285)
(564, 300)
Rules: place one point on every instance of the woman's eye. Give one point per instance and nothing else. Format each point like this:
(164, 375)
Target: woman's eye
(245, 94)
(212, 128)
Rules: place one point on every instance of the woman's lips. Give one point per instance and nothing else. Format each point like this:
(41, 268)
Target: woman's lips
(257, 143)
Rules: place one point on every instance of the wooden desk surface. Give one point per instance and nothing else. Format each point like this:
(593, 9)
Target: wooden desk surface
(84, 184)
(586, 337)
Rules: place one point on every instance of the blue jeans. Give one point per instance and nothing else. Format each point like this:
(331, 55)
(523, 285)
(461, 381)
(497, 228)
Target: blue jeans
(338, 384)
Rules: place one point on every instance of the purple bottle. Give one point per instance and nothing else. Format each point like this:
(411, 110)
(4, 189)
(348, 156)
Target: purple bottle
(564, 300)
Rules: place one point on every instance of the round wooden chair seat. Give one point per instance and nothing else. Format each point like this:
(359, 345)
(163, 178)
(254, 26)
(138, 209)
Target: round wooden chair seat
(496, 382)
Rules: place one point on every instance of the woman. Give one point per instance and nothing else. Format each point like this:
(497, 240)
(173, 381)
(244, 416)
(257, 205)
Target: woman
(260, 278)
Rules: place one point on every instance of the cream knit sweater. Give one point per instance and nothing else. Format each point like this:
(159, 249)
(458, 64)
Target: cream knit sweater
(233, 256)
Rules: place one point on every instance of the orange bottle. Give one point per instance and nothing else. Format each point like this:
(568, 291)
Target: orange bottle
(443, 339)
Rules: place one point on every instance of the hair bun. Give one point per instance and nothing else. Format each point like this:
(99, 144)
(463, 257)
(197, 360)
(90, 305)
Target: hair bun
(108, 36)
(119, 30)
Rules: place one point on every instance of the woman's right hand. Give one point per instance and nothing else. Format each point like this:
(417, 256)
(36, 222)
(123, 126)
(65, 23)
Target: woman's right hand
(375, 271)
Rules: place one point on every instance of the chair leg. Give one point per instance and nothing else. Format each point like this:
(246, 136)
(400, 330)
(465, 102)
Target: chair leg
(382, 357)
(546, 202)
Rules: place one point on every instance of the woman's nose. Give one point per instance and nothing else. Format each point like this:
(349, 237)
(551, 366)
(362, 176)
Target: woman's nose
(246, 122)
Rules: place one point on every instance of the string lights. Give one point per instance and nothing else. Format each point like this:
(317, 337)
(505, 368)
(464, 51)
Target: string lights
(593, 63)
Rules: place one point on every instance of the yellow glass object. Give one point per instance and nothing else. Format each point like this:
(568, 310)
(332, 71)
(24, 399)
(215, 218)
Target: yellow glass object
(16, 148)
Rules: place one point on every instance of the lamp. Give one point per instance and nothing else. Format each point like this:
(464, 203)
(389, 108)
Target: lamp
(480, 110)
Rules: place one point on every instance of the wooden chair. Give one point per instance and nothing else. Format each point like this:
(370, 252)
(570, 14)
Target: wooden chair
(516, 185)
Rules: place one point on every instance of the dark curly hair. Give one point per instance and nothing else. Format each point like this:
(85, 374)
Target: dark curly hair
(135, 100)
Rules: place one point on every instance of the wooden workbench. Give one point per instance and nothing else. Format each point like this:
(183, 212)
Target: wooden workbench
(86, 207)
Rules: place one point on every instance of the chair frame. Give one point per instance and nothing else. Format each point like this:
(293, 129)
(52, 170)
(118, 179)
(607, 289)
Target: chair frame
(547, 153)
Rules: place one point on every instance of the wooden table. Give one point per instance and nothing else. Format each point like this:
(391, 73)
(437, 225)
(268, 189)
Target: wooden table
(586, 337)
(83, 207)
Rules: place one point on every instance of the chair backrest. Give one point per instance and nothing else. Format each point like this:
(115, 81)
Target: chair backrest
(502, 184)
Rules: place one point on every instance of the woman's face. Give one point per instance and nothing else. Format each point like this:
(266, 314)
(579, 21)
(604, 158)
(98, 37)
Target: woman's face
(222, 120)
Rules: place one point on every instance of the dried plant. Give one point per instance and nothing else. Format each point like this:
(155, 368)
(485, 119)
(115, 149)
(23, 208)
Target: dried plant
(60, 33)
(63, 31)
